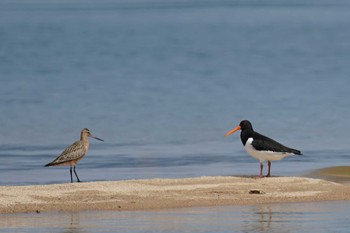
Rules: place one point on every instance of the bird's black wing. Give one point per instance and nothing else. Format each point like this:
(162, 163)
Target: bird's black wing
(263, 143)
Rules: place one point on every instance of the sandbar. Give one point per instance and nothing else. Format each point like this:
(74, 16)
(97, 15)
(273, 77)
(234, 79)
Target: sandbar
(167, 193)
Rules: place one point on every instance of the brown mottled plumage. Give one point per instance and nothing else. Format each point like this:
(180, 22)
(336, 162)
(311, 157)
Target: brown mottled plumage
(75, 152)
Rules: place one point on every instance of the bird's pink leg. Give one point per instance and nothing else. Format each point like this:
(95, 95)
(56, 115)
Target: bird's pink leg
(261, 169)
(269, 168)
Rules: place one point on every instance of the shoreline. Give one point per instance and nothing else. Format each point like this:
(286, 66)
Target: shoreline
(152, 194)
(338, 174)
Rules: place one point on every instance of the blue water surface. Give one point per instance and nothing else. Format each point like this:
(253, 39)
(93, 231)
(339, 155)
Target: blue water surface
(273, 218)
(163, 81)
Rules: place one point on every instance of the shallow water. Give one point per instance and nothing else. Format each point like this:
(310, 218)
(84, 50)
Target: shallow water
(296, 217)
(163, 82)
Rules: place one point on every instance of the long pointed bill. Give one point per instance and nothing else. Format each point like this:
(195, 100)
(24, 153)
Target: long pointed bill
(232, 131)
(96, 138)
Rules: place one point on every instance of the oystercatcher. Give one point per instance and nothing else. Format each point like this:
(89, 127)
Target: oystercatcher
(261, 147)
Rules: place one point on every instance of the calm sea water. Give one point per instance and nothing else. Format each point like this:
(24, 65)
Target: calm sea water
(162, 81)
(278, 218)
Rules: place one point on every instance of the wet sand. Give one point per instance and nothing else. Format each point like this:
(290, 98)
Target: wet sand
(340, 174)
(167, 193)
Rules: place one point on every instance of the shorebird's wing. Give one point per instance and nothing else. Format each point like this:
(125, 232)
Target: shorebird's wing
(74, 151)
(263, 143)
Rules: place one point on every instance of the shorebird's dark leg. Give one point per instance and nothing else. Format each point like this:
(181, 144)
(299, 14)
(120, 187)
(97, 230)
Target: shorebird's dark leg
(71, 177)
(261, 169)
(269, 165)
(76, 174)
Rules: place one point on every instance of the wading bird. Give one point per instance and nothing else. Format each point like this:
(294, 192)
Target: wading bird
(261, 147)
(75, 152)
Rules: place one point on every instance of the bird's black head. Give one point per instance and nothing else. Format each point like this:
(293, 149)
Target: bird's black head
(245, 124)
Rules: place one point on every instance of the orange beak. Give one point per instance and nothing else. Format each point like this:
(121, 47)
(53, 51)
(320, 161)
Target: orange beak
(232, 131)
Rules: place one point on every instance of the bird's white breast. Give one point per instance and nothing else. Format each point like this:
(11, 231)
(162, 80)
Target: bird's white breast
(263, 155)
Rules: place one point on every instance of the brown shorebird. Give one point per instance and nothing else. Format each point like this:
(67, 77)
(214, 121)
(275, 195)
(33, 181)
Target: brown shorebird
(75, 152)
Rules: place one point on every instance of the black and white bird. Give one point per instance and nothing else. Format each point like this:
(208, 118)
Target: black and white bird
(261, 147)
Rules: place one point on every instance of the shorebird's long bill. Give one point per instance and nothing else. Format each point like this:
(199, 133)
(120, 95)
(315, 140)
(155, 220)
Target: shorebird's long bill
(232, 131)
(97, 138)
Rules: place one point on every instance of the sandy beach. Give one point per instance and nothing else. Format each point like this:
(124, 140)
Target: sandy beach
(167, 193)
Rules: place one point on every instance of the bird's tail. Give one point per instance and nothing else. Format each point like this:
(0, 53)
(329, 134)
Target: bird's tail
(48, 165)
(296, 152)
